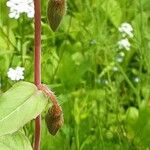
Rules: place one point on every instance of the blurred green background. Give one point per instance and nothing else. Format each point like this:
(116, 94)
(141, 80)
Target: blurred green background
(104, 109)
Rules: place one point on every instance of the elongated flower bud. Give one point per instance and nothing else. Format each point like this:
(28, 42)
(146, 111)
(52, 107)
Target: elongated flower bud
(54, 119)
(55, 12)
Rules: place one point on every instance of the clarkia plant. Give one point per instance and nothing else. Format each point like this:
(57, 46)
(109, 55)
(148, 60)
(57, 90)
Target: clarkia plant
(96, 61)
(28, 99)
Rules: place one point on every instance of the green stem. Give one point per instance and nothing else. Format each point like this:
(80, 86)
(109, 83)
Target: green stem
(129, 83)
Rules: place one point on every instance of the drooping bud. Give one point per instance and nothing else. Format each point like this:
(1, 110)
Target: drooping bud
(54, 119)
(55, 11)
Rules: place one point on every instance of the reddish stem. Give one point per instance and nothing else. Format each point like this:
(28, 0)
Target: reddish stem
(37, 66)
(49, 93)
(37, 54)
(37, 132)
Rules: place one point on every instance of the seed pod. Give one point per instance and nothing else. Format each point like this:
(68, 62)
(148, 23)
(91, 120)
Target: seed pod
(54, 119)
(55, 11)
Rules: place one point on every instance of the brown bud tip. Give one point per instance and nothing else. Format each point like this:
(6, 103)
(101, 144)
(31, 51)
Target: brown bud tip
(55, 11)
(54, 119)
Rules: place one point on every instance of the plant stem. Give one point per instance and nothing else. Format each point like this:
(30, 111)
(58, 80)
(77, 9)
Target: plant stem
(37, 54)
(37, 66)
(37, 133)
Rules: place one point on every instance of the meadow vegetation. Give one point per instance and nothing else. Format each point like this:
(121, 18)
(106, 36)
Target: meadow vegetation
(105, 96)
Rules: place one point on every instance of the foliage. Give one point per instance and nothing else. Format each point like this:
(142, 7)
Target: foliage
(77, 63)
(15, 141)
(19, 105)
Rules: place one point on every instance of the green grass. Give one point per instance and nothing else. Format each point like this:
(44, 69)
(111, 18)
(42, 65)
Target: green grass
(77, 63)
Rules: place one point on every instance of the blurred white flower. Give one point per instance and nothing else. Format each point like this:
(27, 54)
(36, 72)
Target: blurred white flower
(106, 81)
(136, 79)
(93, 42)
(124, 44)
(115, 69)
(122, 54)
(119, 59)
(16, 74)
(126, 29)
(20, 6)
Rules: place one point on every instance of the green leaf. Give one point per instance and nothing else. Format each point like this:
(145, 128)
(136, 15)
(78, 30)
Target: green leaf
(132, 115)
(16, 141)
(113, 11)
(7, 38)
(140, 129)
(7, 45)
(72, 69)
(4, 63)
(19, 105)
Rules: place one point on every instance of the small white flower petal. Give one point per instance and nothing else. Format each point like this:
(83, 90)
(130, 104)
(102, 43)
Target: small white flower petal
(115, 69)
(17, 16)
(21, 77)
(106, 81)
(20, 69)
(136, 79)
(11, 74)
(30, 14)
(122, 54)
(9, 4)
(119, 59)
(18, 7)
(126, 30)
(124, 44)
(12, 15)
(16, 74)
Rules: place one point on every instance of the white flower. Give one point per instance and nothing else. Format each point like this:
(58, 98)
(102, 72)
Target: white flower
(122, 54)
(11, 74)
(115, 69)
(16, 74)
(93, 42)
(126, 29)
(124, 44)
(119, 59)
(136, 79)
(106, 81)
(20, 6)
